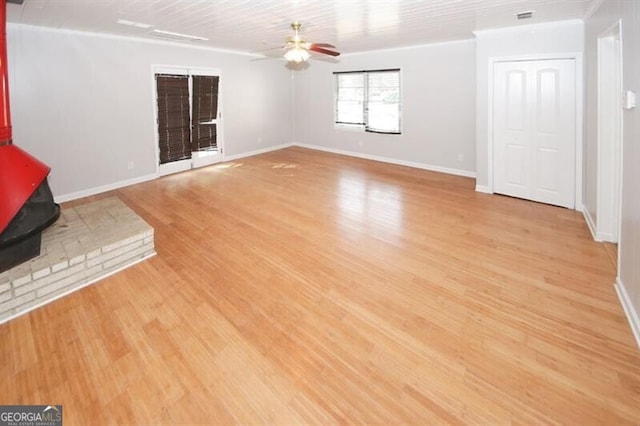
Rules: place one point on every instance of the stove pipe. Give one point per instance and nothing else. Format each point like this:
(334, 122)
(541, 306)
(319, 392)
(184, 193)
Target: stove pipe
(26, 203)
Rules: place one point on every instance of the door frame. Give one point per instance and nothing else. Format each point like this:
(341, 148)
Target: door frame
(183, 165)
(609, 163)
(577, 58)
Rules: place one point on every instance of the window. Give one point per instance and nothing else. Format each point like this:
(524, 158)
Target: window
(369, 100)
(350, 98)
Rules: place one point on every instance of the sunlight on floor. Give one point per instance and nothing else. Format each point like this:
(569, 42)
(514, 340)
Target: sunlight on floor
(284, 166)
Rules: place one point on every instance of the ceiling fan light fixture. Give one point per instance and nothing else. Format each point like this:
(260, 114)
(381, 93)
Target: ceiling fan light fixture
(297, 54)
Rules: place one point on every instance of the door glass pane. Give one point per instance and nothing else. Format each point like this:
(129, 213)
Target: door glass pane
(174, 133)
(205, 112)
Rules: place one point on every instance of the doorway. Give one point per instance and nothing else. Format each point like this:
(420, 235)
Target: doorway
(534, 130)
(609, 135)
(188, 118)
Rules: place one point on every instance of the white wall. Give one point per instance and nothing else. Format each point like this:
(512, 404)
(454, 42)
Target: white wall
(629, 247)
(541, 39)
(438, 107)
(83, 103)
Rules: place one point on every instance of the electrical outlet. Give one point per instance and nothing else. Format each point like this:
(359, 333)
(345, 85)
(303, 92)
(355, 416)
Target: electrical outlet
(131, 165)
(460, 157)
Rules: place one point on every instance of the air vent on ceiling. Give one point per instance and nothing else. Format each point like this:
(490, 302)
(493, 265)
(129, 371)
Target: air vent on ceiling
(134, 24)
(167, 37)
(172, 37)
(525, 15)
(179, 36)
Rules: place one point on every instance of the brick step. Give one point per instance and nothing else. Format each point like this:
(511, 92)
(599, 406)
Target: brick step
(87, 243)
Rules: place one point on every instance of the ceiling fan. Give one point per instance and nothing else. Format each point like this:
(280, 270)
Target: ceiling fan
(298, 50)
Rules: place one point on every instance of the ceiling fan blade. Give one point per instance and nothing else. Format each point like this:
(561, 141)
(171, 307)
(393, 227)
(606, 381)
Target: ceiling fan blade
(315, 48)
(267, 49)
(325, 58)
(331, 46)
(264, 58)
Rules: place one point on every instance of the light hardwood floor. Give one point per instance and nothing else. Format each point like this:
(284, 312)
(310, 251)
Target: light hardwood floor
(305, 287)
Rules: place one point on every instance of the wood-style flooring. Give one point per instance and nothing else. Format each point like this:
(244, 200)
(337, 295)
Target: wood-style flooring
(305, 287)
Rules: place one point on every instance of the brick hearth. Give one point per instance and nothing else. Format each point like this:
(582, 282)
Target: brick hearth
(86, 244)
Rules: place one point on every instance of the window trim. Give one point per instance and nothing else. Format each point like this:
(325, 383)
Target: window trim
(364, 126)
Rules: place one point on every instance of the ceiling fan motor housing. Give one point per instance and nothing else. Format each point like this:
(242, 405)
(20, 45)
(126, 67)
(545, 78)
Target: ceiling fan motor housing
(299, 51)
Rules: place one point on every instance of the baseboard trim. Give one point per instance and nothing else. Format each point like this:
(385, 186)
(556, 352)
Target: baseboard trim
(629, 309)
(255, 152)
(605, 236)
(121, 184)
(439, 169)
(591, 224)
(104, 188)
(484, 189)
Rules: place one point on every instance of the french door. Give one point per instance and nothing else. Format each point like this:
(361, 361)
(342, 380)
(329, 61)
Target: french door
(188, 117)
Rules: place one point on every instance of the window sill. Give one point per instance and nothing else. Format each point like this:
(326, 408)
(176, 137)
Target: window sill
(349, 127)
(362, 129)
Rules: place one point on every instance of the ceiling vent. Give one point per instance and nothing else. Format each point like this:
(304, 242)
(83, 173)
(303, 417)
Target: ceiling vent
(167, 37)
(179, 35)
(525, 15)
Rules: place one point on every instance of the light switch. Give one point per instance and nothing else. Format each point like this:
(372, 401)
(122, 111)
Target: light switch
(629, 99)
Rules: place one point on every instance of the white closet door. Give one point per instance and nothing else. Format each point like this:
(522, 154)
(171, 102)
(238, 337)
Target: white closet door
(534, 112)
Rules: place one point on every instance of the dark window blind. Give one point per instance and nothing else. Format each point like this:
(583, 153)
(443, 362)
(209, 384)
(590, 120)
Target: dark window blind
(205, 109)
(174, 130)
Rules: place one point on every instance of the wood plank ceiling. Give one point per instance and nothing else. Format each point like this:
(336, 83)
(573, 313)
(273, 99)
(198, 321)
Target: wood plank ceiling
(246, 25)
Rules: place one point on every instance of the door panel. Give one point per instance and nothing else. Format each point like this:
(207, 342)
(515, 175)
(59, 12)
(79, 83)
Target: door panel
(205, 112)
(515, 107)
(205, 120)
(173, 117)
(548, 94)
(547, 180)
(515, 166)
(534, 130)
